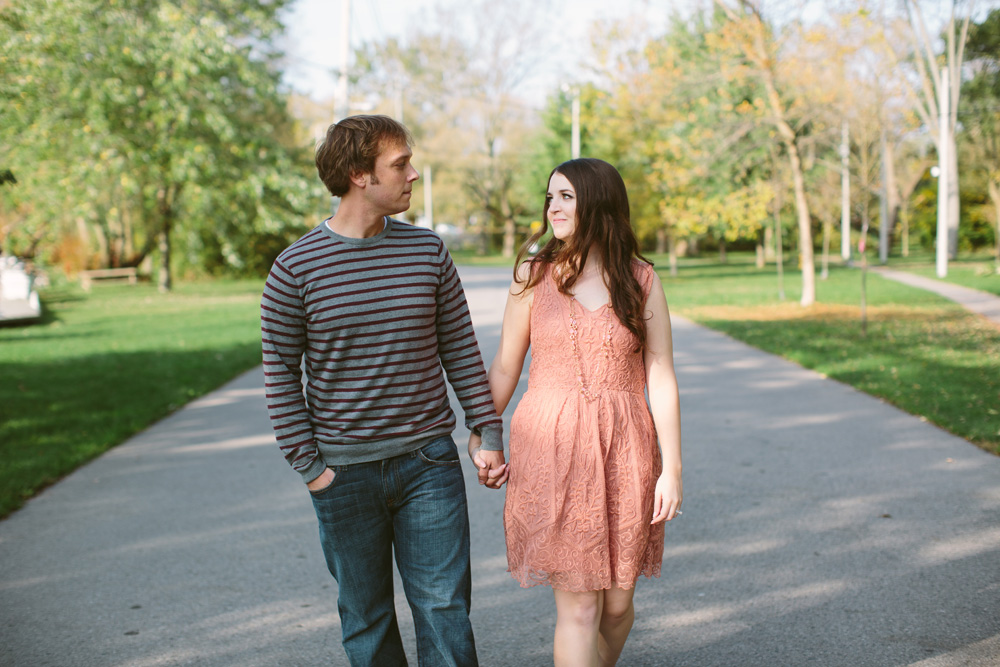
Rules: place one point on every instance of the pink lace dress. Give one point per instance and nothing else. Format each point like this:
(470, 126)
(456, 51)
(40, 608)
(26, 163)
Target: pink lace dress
(582, 472)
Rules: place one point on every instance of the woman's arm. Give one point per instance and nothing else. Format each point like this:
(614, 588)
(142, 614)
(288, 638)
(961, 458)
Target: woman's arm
(664, 402)
(504, 374)
(515, 337)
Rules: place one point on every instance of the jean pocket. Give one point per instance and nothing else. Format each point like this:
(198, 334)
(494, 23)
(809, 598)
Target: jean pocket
(440, 452)
(319, 493)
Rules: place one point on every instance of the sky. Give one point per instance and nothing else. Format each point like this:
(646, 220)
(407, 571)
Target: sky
(314, 29)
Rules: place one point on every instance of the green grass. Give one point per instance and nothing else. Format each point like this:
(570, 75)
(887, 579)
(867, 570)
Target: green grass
(103, 366)
(473, 258)
(921, 353)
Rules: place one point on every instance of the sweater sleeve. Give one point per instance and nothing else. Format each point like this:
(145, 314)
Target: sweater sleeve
(461, 358)
(283, 342)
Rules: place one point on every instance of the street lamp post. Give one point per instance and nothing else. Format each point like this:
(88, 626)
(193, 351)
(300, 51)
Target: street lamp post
(845, 195)
(575, 116)
(943, 178)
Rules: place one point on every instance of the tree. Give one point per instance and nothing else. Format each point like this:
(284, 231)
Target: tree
(933, 74)
(174, 124)
(460, 103)
(748, 31)
(982, 117)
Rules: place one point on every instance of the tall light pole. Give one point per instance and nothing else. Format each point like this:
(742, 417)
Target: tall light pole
(342, 93)
(943, 179)
(883, 204)
(575, 143)
(574, 149)
(428, 197)
(845, 195)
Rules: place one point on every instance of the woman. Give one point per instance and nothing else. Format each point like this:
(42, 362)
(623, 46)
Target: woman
(588, 488)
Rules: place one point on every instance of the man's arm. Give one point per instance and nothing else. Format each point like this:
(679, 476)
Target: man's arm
(283, 342)
(463, 364)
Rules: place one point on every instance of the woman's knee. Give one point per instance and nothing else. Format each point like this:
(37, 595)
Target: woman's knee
(617, 608)
(581, 609)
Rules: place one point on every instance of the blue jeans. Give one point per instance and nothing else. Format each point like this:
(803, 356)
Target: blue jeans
(416, 503)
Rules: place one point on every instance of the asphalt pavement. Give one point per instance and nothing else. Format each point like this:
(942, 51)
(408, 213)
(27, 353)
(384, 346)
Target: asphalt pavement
(821, 526)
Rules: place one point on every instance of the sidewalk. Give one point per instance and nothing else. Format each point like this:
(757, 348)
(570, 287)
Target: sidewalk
(984, 303)
(821, 527)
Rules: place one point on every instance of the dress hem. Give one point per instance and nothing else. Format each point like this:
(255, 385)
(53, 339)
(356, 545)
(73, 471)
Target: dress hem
(529, 582)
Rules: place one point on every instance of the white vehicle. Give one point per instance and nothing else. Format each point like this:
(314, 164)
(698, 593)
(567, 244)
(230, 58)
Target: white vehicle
(18, 298)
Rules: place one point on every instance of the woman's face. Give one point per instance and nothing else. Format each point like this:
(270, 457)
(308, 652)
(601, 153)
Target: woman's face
(561, 199)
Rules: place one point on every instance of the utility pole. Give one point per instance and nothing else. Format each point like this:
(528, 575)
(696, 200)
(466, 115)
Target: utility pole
(575, 147)
(428, 197)
(943, 177)
(845, 195)
(883, 204)
(342, 94)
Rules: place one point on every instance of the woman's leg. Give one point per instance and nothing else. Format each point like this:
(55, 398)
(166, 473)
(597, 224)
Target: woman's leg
(578, 618)
(617, 616)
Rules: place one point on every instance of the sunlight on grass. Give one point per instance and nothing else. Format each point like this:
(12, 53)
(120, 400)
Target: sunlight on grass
(104, 365)
(921, 352)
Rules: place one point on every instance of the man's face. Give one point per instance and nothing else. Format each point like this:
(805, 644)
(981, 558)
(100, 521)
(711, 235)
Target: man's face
(390, 186)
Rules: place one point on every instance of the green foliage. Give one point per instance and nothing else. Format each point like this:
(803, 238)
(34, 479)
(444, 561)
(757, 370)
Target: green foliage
(149, 118)
(980, 120)
(105, 365)
(922, 353)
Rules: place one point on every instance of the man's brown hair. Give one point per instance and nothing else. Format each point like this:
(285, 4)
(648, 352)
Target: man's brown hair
(352, 146)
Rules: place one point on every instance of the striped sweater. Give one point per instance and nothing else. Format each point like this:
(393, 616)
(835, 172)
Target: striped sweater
(375, 319)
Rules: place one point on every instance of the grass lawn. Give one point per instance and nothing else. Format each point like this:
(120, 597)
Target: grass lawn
(104, 365)
(473, 258)
(922, 353)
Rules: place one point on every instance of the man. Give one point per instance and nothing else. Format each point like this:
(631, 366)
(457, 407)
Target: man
(376, 308)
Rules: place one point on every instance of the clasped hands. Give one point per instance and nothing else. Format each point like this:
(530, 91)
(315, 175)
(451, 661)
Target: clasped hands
(491, 467)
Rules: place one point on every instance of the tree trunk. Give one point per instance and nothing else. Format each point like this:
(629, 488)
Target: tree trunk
(862, 250)
(778, 249)
(661, 241)
(83, 251)
(166, 211)
(672, 249)
(768, 244)
(994, 190)
(509, 228)
(128, 234)
(825, 262)
(165, 283)
(759, 253)
(766, 61)
(722, 250)
(892, 187)
(904, 230)
(509, 237)
(104, 244)
(953, 204)
(805, 224)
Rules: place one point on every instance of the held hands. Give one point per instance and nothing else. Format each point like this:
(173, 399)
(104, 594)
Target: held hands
(490, 466)
(668, 496)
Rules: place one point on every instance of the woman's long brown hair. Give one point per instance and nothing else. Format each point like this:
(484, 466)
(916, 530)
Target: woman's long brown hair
(603, 226)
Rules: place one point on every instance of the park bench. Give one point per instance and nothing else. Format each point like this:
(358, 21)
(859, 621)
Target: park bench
(116, 275)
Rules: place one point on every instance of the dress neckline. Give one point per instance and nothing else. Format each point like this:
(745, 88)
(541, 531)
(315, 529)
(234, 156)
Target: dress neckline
(588, 310)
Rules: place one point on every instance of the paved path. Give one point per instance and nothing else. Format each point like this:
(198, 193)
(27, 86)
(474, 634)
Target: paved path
(984, 303)
(821, 527)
